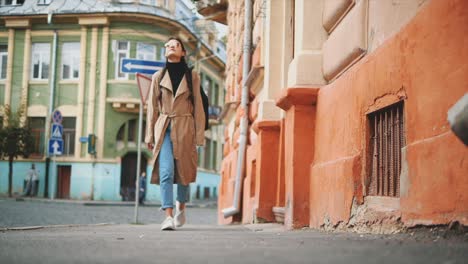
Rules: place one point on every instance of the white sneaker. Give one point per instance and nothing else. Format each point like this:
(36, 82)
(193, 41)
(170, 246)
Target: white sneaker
(168, 224)
(180, 218)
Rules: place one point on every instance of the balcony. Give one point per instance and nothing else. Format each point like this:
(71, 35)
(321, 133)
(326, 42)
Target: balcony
(215, 10)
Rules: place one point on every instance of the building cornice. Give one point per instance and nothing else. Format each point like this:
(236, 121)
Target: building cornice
(18, 22)
(94, 21)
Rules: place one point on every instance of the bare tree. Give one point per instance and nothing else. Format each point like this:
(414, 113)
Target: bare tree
(15, 140)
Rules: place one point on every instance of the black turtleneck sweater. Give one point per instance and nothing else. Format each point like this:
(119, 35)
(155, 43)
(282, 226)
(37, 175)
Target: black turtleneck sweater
(176, 73)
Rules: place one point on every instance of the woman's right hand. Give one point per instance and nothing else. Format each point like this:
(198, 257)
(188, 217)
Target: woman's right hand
(150, 146)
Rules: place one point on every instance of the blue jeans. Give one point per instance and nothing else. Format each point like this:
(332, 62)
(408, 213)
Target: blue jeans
(166, 174)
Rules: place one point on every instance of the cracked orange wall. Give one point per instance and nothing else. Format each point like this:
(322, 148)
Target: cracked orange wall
(426, 64)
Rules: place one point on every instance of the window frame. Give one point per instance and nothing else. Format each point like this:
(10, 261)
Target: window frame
(118, 61)
(69, 136)
(35, 49)
(73, 54)
(13, 3)
(44, 2)
(150, 56)
(38, 134)
(2, 55)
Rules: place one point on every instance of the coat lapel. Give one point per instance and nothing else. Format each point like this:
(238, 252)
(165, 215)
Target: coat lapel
(166, 82)
(183, 87)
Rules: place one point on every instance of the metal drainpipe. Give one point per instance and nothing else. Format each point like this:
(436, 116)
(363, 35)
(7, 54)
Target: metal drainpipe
(244, 125)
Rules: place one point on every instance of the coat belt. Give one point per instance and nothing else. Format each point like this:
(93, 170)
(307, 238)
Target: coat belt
(174, 134)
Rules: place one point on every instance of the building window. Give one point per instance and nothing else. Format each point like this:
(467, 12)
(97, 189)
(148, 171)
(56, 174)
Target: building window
(215, 95)
(162, 55)
(208, 85)
(44, 2)
(69, 132)
(133, 130)
(146, 51)
(387, 138)
(37, 125)
(121, 133)
(130, 131)
(206, 193)
(40, 59)
(197, 193)
(215, 155)
(208, 154)
(122, 51)
(148, 2)
(201, 155)
(3, 61)
(70, 61)
(11, 2)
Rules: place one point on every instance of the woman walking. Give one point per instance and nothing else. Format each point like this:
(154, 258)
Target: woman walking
(175, 126)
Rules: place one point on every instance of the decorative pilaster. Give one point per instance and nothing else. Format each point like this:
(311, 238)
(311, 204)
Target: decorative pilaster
(299, 133)
(103, 91)
(267, 168)
(92, 82)
(26, 74)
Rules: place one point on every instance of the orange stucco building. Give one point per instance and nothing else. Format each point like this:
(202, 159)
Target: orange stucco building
(347, 112)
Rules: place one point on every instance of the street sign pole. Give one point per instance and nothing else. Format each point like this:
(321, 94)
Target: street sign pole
(144, 84)
(54, 173)
(55, 147)
(137, 193)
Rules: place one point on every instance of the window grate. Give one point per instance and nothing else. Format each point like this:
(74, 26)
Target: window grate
(387, 139)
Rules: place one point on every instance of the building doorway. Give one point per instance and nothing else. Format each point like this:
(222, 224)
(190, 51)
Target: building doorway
(63, 181)
(128, 175)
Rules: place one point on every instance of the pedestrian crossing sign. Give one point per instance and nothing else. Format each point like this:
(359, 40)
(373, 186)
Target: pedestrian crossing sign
(57, 131)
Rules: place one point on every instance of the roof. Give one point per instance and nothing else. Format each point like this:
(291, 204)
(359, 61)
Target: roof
(32, 8)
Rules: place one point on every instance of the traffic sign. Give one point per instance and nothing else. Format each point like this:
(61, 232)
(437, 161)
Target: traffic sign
(57, 117)
(144, 84)
(84, 139)
(55, 146)
(141, 66)
(57, 131)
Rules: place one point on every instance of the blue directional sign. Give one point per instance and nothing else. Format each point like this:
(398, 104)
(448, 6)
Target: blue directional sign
(55, 146)
(141, 66)
(57, 131)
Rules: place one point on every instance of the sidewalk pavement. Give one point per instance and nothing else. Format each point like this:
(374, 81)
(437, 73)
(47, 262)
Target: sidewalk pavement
(261, 243)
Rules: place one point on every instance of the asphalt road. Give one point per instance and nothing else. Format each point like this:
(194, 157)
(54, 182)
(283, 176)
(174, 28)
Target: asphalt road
(35, 213)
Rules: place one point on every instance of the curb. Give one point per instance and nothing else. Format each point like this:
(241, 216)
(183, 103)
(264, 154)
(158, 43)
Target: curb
(27, 228)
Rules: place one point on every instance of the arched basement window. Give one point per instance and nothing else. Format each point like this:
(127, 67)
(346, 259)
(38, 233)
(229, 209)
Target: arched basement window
(128, 132)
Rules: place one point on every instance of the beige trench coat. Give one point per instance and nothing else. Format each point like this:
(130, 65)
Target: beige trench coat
(187, 125)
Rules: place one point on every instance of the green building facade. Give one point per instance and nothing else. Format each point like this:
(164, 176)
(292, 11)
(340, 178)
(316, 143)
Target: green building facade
(67, 55)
